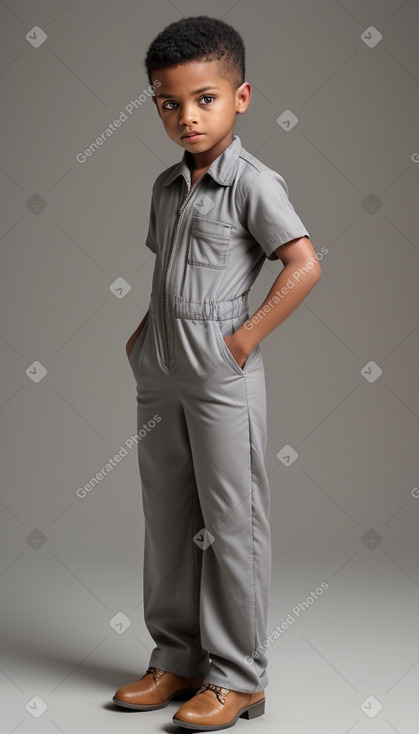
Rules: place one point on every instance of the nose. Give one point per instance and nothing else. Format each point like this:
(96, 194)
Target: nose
(187, 113)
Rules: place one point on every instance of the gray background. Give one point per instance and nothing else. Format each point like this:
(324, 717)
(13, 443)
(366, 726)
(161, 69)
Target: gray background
(346, 511)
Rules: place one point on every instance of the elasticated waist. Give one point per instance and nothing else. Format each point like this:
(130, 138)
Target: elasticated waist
(210, 309)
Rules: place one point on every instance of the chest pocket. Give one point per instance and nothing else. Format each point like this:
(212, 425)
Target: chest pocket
(208, 245)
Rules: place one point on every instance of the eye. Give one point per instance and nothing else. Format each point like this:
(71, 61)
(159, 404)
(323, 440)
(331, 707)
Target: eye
(170, 101)
(208, 96)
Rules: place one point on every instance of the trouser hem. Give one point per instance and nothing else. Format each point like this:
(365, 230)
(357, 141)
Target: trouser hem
(172, 668)
(235, 687)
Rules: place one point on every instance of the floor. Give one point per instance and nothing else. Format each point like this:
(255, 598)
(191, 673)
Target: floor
(344, 660)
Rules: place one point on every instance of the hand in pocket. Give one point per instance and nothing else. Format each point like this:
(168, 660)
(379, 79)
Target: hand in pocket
(235, 351)
(135, 336)
(130, 345)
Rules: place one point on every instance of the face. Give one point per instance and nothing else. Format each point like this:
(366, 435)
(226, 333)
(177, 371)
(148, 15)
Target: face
(192, 98)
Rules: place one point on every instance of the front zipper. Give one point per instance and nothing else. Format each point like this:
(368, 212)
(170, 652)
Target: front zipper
(169, 331)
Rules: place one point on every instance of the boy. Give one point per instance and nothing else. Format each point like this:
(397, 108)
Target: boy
(215, 216)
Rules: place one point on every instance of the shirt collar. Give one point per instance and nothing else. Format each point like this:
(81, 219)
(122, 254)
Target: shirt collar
(222, 169)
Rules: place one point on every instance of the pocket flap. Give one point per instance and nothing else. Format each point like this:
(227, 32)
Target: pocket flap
(211, 227)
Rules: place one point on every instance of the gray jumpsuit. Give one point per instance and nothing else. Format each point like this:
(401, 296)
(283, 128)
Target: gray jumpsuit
(202, 419)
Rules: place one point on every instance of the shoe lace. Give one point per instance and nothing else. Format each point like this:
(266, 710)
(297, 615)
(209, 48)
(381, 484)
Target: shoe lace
(157, 673)
(219, 691)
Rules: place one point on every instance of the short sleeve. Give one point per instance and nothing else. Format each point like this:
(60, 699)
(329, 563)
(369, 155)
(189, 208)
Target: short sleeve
(151, 234)
(270, 216)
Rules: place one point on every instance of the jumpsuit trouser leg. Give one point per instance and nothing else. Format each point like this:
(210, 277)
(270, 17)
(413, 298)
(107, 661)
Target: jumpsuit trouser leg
(202, 467)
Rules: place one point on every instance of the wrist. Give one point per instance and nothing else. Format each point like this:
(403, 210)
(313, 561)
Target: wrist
(246, 339)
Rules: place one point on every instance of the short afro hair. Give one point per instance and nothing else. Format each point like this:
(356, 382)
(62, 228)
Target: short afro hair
(199, 38)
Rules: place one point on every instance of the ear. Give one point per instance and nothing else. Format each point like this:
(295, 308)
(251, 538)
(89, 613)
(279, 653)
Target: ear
(243, 94)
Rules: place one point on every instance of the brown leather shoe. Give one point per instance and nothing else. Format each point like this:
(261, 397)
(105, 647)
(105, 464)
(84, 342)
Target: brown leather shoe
(155, 689)
(214, 707)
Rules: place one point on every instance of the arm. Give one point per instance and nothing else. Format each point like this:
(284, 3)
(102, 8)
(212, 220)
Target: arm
(277, 306)
(133, 338)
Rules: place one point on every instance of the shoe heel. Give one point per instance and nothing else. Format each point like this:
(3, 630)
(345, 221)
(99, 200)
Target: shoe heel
(256, 709)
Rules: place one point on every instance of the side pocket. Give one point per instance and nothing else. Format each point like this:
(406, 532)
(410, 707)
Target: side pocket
(139, 340)
(228, 356)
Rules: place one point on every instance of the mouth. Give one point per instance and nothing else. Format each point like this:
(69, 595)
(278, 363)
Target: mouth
(192, 136)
